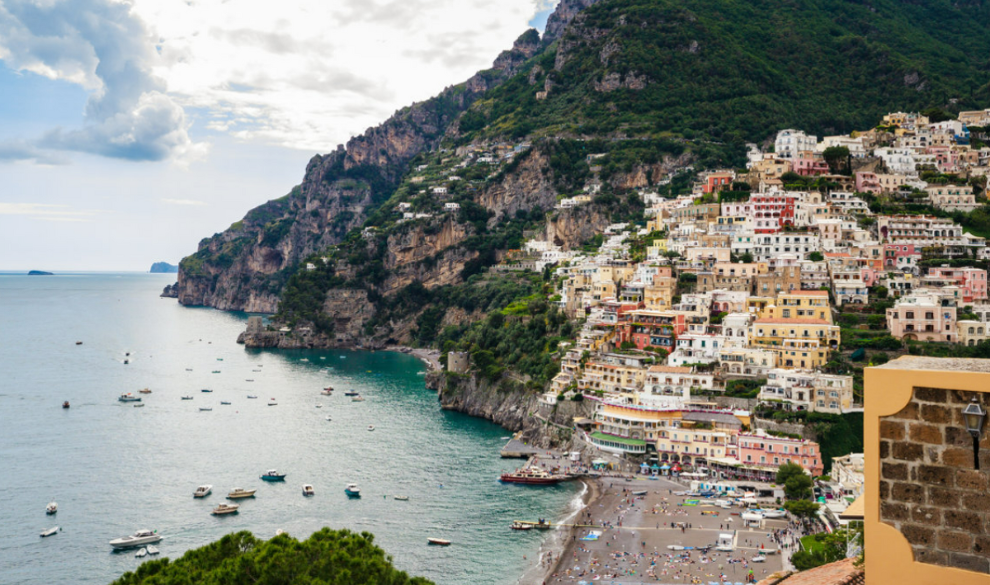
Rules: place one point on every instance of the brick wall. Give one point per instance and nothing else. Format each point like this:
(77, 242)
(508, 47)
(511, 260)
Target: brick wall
(929, 489)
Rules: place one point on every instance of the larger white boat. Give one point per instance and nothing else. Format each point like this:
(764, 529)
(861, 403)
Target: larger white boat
(238, 493)
(203, 491)
(129, 397)
(223, 509)
(139, 538)
(51, 508)
(352, 490)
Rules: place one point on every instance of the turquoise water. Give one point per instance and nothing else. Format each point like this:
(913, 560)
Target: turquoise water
(114, 468)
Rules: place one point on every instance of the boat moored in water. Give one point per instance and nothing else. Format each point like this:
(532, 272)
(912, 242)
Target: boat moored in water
(223, 509)
(273, 475)
(238, 493)
(50, 532)
(402, 498)
(139, 538)
(352, 490)
(141, 553)
(438, 541)
(187, 397)
(65, 404)
(129, 397)
(308, 490)
(203, 491)
(530, 475)
(145, 390)
(152, 550)
(521, 526)
(51, 508)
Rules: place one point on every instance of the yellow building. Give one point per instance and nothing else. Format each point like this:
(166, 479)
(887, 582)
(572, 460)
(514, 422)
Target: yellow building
(659, 297)
(690, 443)
(925, 512)
(800, 304)
(611, 378)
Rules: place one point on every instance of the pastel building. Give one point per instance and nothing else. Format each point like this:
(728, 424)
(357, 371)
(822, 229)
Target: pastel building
(922, 318)
(761, 449)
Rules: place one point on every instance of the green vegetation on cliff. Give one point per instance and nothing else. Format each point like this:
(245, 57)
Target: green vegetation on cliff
(328, 557)
(734, 70)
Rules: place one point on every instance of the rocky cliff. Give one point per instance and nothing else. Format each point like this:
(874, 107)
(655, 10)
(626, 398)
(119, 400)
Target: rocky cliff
(509, 406)
(247, 266)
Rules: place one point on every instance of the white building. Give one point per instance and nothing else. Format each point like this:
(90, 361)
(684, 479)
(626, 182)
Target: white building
(790, 142)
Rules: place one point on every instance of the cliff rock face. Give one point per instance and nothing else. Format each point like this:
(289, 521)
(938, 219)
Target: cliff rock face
(525, 188)
(562, 16)
(247, 266)
(171, 291)
(514, 409)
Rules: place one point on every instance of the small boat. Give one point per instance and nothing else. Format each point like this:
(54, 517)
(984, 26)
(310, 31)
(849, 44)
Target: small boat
(205, 408)
(357, 399)
(327, 392)
(206, 390)
(319, 406)
(141, 553)
(273, 475)
(65, 404)
(328, 418)
(145, 390)
(51, 508)
(127, 362)
(78, 343)
(219, 359)
(223, 509)
(216, 371)
(352, 393)
(401, 498)
(129, 397)
(758, 559)
(272, 402)
(139, 538)
(50, 532)
(203, 491)
(252, 397)
(153, 550)
(352, 490)
(438, 541)
(371, 427)
(521, 526)
(308, 490)
(187, 397)
(189, 369)
(249, 380)
(139, 405)
(774, 513)
(127, 353)
(225, 402)
(724, 548)
(639, 493)
(530, 475)
(238, 493)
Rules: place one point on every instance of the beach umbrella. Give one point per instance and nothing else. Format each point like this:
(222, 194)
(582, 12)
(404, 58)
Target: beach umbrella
(665, 466)
(654, 466)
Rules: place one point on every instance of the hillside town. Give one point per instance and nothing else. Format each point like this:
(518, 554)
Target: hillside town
(770, 283)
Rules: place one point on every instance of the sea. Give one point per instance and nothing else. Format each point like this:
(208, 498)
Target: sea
(114, 469)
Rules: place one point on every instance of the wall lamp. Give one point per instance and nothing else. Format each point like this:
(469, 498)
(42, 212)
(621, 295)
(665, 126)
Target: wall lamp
(974, 415)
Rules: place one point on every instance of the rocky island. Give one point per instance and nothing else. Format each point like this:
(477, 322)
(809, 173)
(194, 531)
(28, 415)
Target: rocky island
(163, 268)
(40, 273)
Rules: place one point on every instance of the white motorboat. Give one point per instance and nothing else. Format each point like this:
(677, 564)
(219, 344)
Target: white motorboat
(141, 553)
(402, 498)
(328, 391)
(319, 406)
(203, 491)
(357, 399)
(328, 418)
(758, 559)
(308, 490)
(272, 402)
(187, 397)
(205, 408)
(438, 541)
(50, 532)
(224, 403)
(224, 509)
(51, 508)
(238, 493)
(252, 397)
(371, 427)
(724, 548)
(139, 538)
(153, 550)
(129, 397)
(774, 513)
(353, 490)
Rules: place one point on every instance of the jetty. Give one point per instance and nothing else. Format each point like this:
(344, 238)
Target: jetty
(516, 449)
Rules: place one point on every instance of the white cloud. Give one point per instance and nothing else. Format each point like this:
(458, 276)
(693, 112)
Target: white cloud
(47, 212)
(103, 46)
(183, 201)
(310, 74)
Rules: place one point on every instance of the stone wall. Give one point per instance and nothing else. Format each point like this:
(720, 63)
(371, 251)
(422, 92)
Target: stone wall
(929, 489)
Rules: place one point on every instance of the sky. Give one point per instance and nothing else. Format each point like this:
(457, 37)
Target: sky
(130, 130)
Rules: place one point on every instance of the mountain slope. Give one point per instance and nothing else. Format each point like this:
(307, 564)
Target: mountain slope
(678, 82)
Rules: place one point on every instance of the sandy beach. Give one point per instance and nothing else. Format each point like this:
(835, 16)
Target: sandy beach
(622, 538)
(429, 356)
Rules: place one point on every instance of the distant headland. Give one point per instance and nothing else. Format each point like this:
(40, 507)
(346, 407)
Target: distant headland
(39, 273)
(163, 268)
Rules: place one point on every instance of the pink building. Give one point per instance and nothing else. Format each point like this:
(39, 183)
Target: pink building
(901, 257)
(761, 449)
(922, 318)
(809, 164)
(867, 183)
(972, 281)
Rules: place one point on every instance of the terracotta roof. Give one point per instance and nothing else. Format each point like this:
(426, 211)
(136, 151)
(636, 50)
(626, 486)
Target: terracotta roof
(838, 573)
(670, 369)
(793, 320)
